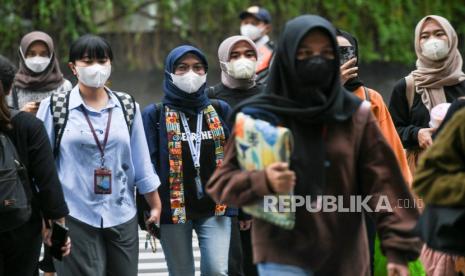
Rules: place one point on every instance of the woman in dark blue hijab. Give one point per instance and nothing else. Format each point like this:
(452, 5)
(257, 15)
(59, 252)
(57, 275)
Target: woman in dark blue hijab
(175, 97)
(186, 135)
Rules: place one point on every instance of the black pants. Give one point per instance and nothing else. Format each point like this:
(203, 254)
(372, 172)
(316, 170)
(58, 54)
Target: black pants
(240, 252)
(371, 233)
(235, 261)
(20, 249)
(250, 269)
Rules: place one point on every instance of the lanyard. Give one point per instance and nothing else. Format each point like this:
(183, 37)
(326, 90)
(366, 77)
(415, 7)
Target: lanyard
(195, 149)
(105, 139)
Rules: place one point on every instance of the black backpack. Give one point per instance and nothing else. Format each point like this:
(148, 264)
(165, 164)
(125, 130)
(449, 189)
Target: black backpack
(15, 205)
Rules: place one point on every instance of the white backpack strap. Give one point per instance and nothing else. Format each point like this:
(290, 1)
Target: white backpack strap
(409, 90)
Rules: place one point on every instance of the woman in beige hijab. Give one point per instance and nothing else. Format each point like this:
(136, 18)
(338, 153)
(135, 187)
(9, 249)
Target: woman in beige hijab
(438, 78)
(39, 73)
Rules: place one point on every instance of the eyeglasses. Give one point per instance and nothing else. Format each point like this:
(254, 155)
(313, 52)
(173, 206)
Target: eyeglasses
(184, 68)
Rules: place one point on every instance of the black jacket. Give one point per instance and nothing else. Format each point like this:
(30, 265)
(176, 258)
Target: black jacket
(233, 96)
(34, 149)
(409, 122)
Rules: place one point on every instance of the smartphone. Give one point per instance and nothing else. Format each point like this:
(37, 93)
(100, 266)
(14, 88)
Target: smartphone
(152, 228)
(59, 238)
(346, 53)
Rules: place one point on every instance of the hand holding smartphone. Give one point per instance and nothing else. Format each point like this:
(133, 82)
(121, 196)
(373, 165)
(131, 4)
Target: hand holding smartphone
(346, 53)
(58, 239)
(152, 228)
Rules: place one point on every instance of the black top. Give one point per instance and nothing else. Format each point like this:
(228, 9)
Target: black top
(34, 149)
(204, 207)
(233, 96)
(409, 123)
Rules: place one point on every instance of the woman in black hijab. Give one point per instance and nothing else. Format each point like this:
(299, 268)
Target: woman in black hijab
(338, 152)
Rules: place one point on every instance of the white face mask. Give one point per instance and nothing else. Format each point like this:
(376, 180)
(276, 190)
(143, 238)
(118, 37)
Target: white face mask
(242, 68)
(95, 75)
(37, 64)
(251, 31)
(435, 49)
(190, 82)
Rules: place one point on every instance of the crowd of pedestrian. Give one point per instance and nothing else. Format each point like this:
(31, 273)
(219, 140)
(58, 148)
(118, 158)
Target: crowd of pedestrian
(288, 120)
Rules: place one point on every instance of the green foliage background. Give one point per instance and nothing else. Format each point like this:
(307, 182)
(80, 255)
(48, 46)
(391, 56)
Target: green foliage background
(384, 27)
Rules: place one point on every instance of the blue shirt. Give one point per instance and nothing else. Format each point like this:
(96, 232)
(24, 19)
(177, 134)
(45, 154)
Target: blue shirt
(126, 156)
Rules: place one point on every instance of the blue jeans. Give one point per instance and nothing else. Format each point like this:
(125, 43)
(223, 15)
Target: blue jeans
(214, 234)
(272, 269)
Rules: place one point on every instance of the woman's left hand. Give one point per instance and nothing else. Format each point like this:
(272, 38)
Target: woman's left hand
(47, 238)
(154, 216)
(66, 249)
(153, 199)
(245, 225)
(46, 233)
(31, 107)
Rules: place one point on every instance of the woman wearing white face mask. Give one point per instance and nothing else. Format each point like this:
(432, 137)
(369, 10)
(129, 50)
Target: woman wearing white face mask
(101, 155)
(437, 79)
(238, 59)
(186, 134)
(39, 73)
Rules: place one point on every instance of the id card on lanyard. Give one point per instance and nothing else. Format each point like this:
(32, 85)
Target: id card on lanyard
(102, 175)
(195, 149)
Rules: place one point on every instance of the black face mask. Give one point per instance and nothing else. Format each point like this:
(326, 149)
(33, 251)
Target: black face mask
(316, 71)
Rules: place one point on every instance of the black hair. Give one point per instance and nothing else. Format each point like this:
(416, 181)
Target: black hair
(91, 46)
(7, 73)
